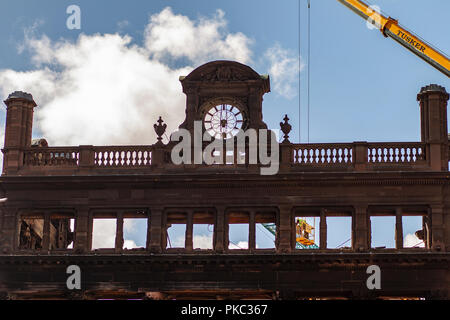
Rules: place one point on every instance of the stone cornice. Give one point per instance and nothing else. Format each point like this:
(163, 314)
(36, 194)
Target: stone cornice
(225, 180)
(339, 258)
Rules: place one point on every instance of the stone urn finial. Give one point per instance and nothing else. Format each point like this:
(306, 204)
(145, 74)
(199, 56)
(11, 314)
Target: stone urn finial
(160, 129)
(286, 128)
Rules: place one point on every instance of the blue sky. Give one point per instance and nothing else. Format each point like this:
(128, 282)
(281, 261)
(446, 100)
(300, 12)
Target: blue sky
(363, 86)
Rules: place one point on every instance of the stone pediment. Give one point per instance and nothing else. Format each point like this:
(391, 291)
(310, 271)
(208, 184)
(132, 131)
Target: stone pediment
(223, 71)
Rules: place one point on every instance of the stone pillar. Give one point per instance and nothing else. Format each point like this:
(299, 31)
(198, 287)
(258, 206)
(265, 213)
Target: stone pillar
(251, 231)
(149, 229)
(323, 229)
(446, 214)
(192, 104)
(398, 228)
(165, 233)
(189, 243)
(255, 99)
(226, 230)
(360, 158)
(433, 119)
(286, 155)
(286, 229)
(361, 228)
(82, 237)
(119, 232)
(87, 158)
(156, 233)
(9, 230)
(46, 233)
(18, 129)
(219, 230)
(158, 155)
(426, 227)
(437, 228)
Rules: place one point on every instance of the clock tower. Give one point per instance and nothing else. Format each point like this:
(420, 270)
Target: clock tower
(225, 96)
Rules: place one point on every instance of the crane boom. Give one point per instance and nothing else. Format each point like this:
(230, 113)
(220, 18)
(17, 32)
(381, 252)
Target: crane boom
(390, 28)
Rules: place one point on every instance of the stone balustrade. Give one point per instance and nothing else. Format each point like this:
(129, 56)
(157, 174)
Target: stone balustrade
(356, 156)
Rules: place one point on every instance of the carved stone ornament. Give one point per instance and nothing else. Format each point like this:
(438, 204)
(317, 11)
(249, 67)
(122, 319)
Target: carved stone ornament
(286, 128)
(160, 128)
(225, 73)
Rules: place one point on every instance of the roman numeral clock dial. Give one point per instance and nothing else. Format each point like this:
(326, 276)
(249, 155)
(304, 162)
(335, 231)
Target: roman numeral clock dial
(223, 121)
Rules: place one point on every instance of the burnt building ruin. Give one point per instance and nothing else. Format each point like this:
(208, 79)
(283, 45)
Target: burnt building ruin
(53, 195)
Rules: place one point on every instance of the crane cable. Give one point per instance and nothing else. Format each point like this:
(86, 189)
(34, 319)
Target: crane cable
(299, 70)
(343, 243)
(263, 231)
(309, 59)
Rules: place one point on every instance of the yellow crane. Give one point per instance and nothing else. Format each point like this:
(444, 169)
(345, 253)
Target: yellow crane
(391, 28)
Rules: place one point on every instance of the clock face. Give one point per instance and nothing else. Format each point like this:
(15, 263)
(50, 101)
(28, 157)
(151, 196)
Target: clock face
(223, 121)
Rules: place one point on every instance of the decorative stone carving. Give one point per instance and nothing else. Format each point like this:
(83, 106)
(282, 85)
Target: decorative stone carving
(286, 128)
(232, 80)
(160, 129)
(225, 73)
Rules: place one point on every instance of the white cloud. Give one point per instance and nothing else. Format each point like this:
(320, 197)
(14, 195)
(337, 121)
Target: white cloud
(202, 242)
(106, 91)
(104, 233)
(239, 245)
(129, 225)
(411, 240)
(284, 70)
(29, 32)
(129, 244)
(103, 89)
(178, 242)
(123, 24)
(199, 242)
(177, 36)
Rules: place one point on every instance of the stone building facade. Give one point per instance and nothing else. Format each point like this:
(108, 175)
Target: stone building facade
(51, 197)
